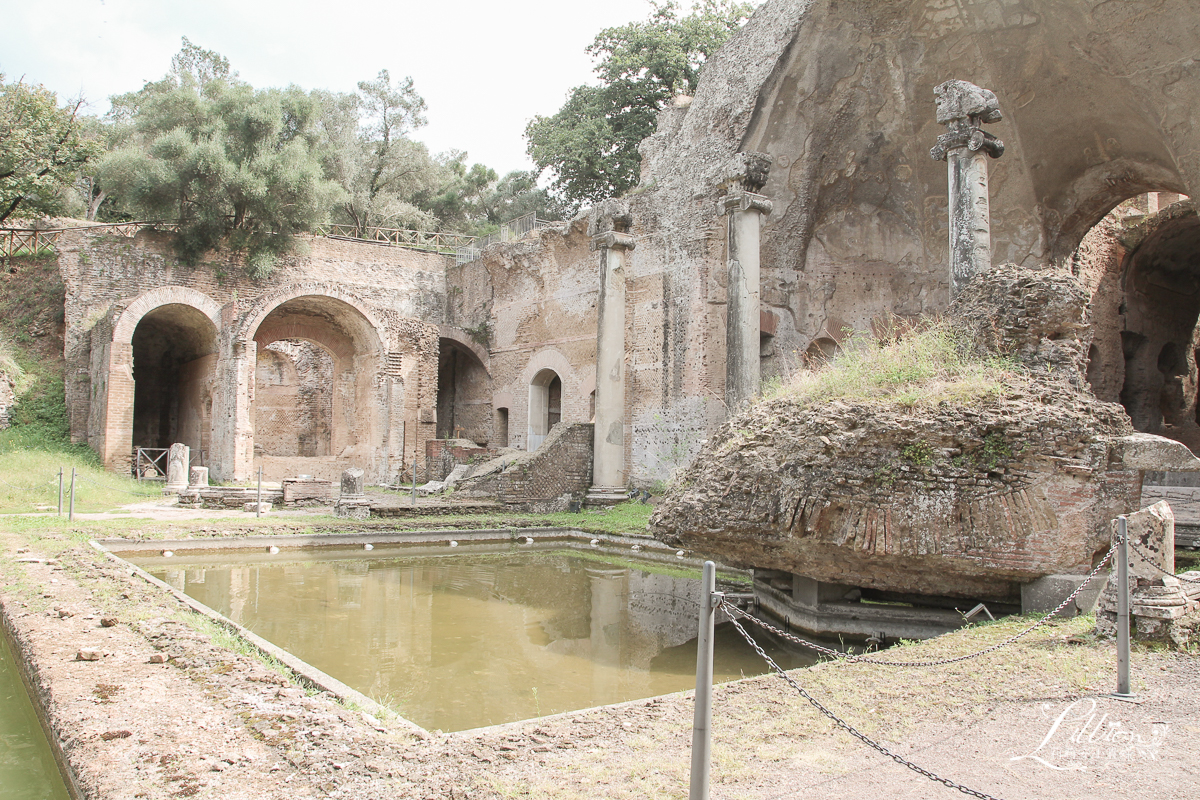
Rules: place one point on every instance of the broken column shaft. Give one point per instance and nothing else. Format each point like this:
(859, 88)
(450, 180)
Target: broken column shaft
(962, 107)
(610, 238)
(745, 209)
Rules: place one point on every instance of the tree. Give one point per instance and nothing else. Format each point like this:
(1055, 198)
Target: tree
(368, 152)
(228, 162)
(517, 194)
(590, 144)
(41, 149)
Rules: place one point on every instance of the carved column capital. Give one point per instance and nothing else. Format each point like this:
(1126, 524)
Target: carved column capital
(609, 215)
(962, 107)
(613, 240)
(738, 200)
(747, 172)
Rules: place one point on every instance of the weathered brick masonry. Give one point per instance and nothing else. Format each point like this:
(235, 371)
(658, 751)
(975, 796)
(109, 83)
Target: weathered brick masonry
(158, 351)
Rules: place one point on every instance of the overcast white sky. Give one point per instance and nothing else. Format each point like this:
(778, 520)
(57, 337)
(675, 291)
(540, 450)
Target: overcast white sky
(484, 68)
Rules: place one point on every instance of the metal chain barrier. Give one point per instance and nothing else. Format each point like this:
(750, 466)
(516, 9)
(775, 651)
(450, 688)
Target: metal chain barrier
(1150, 560)
(116, 488)
(850, 728)
(28, 488)
(846, 657)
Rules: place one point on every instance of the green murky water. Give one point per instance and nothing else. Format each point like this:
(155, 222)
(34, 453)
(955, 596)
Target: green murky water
(27, 767)
(464, 642)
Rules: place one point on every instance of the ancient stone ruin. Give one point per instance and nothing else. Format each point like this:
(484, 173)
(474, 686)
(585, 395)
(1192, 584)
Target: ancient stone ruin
(1003, 498)
(790, 202)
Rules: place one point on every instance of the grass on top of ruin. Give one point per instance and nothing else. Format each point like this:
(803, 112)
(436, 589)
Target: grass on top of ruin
(920, 363)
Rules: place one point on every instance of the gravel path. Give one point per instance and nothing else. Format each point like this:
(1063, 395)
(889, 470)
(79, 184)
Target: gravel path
(210, 722)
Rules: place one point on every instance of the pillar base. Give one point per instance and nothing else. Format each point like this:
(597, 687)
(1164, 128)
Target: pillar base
(604, 496)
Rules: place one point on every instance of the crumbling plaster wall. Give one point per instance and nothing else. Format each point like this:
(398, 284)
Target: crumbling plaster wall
(532, 303)
(385, 302)
(1100, 103)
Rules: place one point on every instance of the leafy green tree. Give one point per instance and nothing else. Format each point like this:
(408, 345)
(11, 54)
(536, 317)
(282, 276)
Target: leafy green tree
(369, 153)
(590, 144)
(517, 194)
(455, 198)
(42, 149)
(229, 163)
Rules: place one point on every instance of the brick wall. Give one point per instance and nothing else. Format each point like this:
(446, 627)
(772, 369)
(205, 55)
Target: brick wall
(560, 471)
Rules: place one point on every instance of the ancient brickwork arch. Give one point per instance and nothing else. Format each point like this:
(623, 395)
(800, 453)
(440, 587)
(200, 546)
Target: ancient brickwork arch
(252, 320)
(146, 302)
(553, 395)
(155, 377)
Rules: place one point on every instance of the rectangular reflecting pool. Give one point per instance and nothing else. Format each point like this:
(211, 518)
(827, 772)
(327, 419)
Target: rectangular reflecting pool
(27, 767)
(465, 641)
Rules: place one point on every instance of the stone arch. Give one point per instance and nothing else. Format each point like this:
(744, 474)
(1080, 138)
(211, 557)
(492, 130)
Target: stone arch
(127, 321)
(169, 338)
(464, 339)
(1094, 194)
(353, 403)
(268, 304)
(546, 369)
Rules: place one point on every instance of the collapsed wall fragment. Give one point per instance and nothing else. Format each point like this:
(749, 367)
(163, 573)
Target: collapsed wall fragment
(981, 498)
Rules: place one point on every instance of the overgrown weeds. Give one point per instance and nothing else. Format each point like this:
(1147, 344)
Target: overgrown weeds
(922, 363)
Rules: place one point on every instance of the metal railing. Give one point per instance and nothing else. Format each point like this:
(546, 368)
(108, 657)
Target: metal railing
(30, 242)
(509, 232)
(150, 463)
(435, 241)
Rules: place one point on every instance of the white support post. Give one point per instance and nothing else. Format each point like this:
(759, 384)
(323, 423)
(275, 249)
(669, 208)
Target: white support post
(702, 721)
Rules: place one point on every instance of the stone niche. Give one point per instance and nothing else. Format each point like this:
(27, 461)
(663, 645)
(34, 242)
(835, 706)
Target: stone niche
(931, 504)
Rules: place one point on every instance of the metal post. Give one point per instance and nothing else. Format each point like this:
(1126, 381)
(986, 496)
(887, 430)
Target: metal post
(414, 477)
(258, 504)
(1123, 608)
(60, 476)
(702, 721)
(71, 508)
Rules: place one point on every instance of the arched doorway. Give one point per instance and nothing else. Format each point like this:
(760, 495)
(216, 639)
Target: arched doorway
(1143, 265)
(174, 366)
(545, 406)
(464, 403)
(318, 406)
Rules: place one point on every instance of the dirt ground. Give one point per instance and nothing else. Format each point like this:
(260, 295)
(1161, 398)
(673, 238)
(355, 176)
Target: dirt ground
(1029, 721)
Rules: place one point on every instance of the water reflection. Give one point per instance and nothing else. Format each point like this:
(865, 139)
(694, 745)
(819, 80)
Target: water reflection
(27, 767)
(463, 642)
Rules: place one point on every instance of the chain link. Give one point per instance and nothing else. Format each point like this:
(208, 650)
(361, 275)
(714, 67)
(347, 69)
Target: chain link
(850, 728)
(38, 487)
(846, 657)
(1150, 560)
(116, 488)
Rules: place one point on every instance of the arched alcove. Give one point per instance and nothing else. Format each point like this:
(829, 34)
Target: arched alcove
(333, 412)
(464, 394)
(174, 362)
(1142, 264)
(545, 406)
(293, 399)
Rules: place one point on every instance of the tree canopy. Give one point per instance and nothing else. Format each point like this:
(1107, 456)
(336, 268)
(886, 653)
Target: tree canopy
(224, 160)
(590, 144)
(42, 149)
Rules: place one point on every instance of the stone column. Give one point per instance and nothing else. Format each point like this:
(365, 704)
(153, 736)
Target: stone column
(177, 467)
(745, 208)
(353, 502)
(962, 107)
(609, 228)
